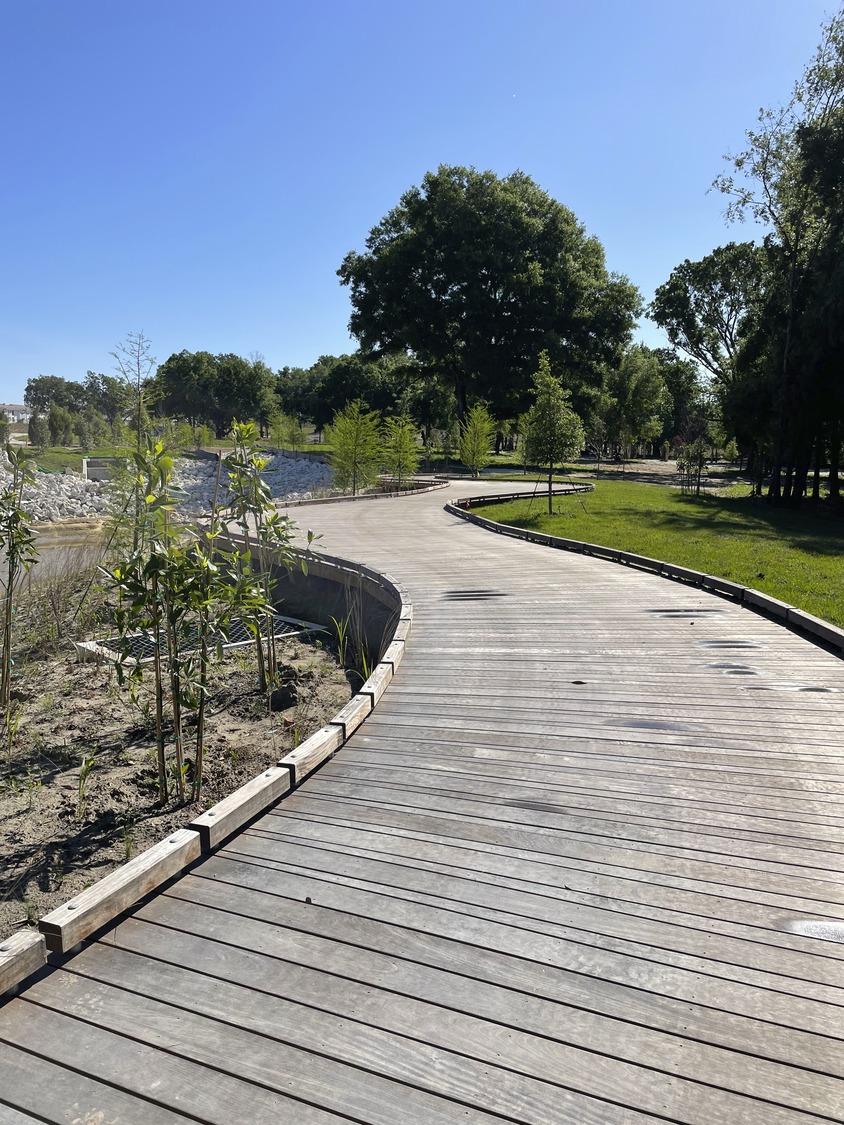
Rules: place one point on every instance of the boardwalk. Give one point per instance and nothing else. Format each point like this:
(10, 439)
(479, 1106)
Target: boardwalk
(568, 871)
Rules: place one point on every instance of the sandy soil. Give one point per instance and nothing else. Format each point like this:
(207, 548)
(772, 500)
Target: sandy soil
(60, 831)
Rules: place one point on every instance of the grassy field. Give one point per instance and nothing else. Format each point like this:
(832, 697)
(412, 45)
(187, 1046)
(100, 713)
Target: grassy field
(798, 557)
(57, 459)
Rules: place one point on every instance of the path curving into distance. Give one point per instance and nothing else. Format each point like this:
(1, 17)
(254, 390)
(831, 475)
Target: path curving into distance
(568, 871)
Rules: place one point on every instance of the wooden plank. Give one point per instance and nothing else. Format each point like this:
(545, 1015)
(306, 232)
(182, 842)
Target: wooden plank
(312, 752)
(248, 1040)
(100, 904)
(353, 714)
(614, 890)
(377, 683)
(791, 891)
(164, 1079)
(671, 570)
(393, 654)
(50, 1092)
(21, 954)
(724, 586)
(538, 908)
(768, 603)
(626, 774)
(816, 626)
(681, 803)
(402, 629)
(318, 1008)
(241, 806)
(679, 1002)
(817, 846)
(519, 820)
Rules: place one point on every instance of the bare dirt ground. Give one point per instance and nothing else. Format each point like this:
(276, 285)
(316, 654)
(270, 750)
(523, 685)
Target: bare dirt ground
(62, 825)
(659, 472)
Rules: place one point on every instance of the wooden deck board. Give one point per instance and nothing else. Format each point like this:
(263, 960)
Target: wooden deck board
(556, 876)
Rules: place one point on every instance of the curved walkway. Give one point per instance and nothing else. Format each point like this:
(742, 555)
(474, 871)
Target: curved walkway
(573, 869)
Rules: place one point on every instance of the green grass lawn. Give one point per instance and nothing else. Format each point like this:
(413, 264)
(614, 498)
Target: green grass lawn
(57, 459)
(797, 557)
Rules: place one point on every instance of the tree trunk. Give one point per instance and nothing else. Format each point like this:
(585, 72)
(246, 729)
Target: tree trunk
(550, 480)
(834, 483)
(816, 476)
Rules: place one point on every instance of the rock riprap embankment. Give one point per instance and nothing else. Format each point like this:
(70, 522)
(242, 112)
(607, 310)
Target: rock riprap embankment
(288, 478)
(57, 496)
(60, 496)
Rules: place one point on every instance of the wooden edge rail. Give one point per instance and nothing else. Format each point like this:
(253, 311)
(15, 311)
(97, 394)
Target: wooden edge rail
(814, 628)
(92, 908)
(25, 952)
(430, 487)
(21, 955)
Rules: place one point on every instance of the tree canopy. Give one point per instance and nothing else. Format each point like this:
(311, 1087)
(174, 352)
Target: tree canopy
(789, 179)
(474, 275)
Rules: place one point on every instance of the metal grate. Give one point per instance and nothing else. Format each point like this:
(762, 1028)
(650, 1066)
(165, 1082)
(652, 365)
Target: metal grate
(140, 647)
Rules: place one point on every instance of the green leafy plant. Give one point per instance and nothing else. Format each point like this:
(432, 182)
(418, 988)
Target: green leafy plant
(553, 432)
(399, 450)
(266, 535)
(85, 766)
(354, 435)
(18, 546)
(181, 589)
(475, 439)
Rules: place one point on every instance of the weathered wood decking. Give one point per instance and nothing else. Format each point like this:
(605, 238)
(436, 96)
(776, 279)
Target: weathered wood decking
(555, 877)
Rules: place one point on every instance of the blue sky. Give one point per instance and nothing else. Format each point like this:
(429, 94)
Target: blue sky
(197, 169)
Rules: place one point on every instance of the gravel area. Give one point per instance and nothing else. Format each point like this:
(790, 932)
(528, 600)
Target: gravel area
(57, 496)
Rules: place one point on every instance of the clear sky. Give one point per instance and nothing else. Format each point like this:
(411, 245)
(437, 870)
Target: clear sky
(197, 169)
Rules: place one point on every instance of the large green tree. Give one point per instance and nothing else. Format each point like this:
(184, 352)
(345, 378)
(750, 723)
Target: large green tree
(185, 386)
(201, 387)
(704, 305)
(44, 390)
(637, 399)
(474, 275)
(781, 183)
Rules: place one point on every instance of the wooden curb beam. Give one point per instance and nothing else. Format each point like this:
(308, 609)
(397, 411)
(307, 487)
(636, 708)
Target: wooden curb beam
(21, 955)
(815, 628)
(228, 815)
(68, 924)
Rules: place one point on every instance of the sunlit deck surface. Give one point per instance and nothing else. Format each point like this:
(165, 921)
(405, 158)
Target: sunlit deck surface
(558, 876)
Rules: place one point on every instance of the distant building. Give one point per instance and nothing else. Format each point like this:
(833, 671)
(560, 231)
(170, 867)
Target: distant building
(15, 412)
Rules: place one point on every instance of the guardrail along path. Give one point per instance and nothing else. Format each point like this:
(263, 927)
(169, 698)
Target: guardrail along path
(580, 865)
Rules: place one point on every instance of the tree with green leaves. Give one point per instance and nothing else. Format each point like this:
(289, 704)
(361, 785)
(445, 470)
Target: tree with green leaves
(355, 437)
(38, 432)
(43, 390)
(704, 305)
(775, 181)
(185, 386)
(399, 449)
(19, 552)
(267, 535)
(474, 275)
(637, 394)
(60, 425)
(553, 433)
(107, 395)
(477, 434)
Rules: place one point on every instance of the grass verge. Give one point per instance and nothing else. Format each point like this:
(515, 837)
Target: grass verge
(795, 556)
